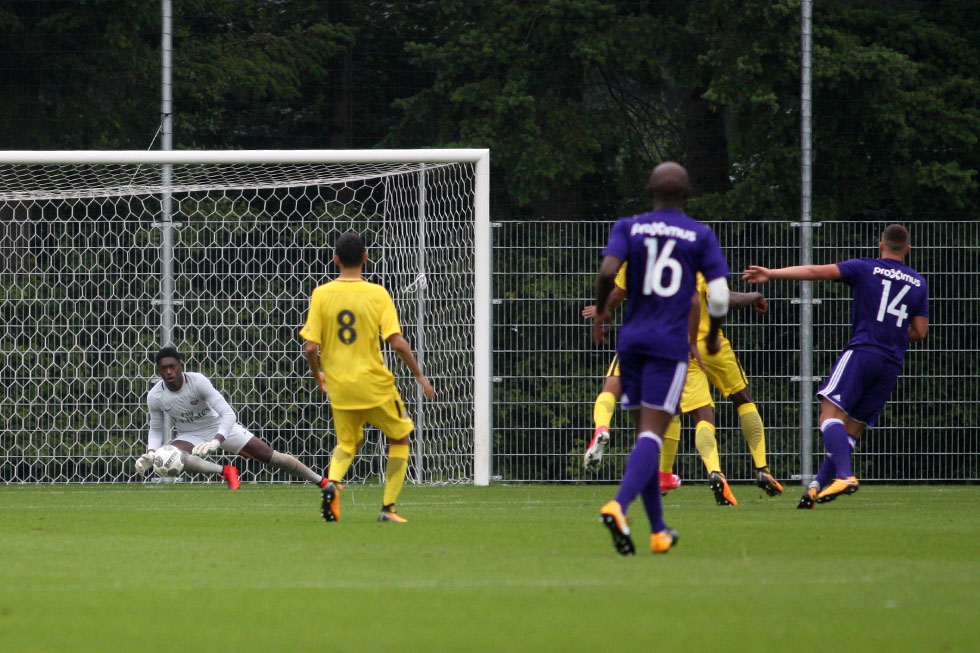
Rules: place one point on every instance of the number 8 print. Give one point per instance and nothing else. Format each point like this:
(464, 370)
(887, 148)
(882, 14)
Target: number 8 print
(347, 334)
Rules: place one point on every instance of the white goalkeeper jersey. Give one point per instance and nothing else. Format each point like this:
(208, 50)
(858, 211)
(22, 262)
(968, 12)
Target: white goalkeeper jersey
(197, 409)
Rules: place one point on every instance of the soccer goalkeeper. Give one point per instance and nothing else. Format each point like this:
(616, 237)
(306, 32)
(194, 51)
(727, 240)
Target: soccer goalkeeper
(205, 423)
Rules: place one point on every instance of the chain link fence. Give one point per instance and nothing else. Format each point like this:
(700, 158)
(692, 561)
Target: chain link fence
(81, 317)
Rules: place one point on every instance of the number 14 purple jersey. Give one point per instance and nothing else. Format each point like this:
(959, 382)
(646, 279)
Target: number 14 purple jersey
(665, 249)
(887, 295)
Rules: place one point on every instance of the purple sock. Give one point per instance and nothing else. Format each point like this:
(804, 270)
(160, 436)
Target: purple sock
(826, 473)
(838, 445)
(653, 504)
(642, 465)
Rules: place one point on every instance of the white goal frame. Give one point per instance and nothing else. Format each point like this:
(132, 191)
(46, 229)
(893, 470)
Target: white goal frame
(479, 158)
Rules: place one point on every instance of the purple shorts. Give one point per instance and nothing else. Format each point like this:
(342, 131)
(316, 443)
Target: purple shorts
(860, 384)
(651, 381)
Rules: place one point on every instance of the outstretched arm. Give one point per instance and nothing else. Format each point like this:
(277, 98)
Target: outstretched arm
(759, 274)
(743, 299)
(401, 347)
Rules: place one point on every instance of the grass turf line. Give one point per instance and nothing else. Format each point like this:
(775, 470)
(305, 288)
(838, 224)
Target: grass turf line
(502, 568)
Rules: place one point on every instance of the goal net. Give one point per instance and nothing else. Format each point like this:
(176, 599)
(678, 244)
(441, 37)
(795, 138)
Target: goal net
(106, 256)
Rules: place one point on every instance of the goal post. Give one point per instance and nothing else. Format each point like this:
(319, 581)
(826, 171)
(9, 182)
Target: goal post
(83, 247)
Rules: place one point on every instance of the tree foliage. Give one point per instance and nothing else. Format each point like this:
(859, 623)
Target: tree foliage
(74, 75)
(577, 99)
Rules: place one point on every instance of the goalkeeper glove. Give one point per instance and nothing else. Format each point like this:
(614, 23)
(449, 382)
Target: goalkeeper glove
(144, 463)
(206, 448)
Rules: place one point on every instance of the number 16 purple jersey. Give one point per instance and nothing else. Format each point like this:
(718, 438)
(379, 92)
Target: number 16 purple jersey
(887, 295)
(665, 249)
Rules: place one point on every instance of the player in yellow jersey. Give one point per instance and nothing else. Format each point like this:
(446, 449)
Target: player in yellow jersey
(346, 318)
(724, 372)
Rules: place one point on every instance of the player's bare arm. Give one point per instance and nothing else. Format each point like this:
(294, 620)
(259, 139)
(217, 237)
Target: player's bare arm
(312, 352)
(919, 327)
(712, 341)
(753, 299)
(759, 274)
(401, 347)
(693, 324)
(718, 298)
(605, 283)
(616, 298)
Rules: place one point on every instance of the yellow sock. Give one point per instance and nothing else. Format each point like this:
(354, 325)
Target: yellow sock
(754, 432)
(672, 438)
(605, 406)
(395, 472)
(704, 440)
(340, 461)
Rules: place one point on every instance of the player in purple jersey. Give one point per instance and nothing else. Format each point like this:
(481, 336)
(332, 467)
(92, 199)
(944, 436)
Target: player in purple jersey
(665, 249)
(890, 308)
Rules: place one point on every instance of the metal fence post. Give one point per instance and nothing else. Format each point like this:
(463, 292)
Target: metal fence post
(806, 244)
(420, 331)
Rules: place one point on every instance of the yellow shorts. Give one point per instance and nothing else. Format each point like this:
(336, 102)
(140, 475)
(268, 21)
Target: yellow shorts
(390, 417)
(697, 392)
(724, 371)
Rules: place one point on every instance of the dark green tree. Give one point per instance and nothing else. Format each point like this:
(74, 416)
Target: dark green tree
(259, 74)
(79, 75)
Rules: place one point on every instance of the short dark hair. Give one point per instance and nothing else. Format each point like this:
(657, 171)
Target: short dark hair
(896, 238)
(350, 249)
(169, 352)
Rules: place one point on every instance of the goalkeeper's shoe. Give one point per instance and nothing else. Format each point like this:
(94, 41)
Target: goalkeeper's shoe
(809, 499)
(229, 474)
(593, 455)
(330, 503)
(723, 493)
(612, 516)
(388, 514)
(767, 482)
(839, 487)
(668, 482)
(662, 541)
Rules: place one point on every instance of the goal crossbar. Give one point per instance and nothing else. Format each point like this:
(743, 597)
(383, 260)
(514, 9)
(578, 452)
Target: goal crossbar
(177, 157)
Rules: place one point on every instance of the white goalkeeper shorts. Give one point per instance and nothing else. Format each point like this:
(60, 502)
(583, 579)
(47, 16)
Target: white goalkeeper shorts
(233, 443)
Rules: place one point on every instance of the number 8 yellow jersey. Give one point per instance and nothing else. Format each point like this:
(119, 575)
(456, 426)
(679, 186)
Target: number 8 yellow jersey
(346, 318)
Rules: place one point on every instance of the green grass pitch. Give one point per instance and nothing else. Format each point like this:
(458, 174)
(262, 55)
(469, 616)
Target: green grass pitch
(505, 568)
